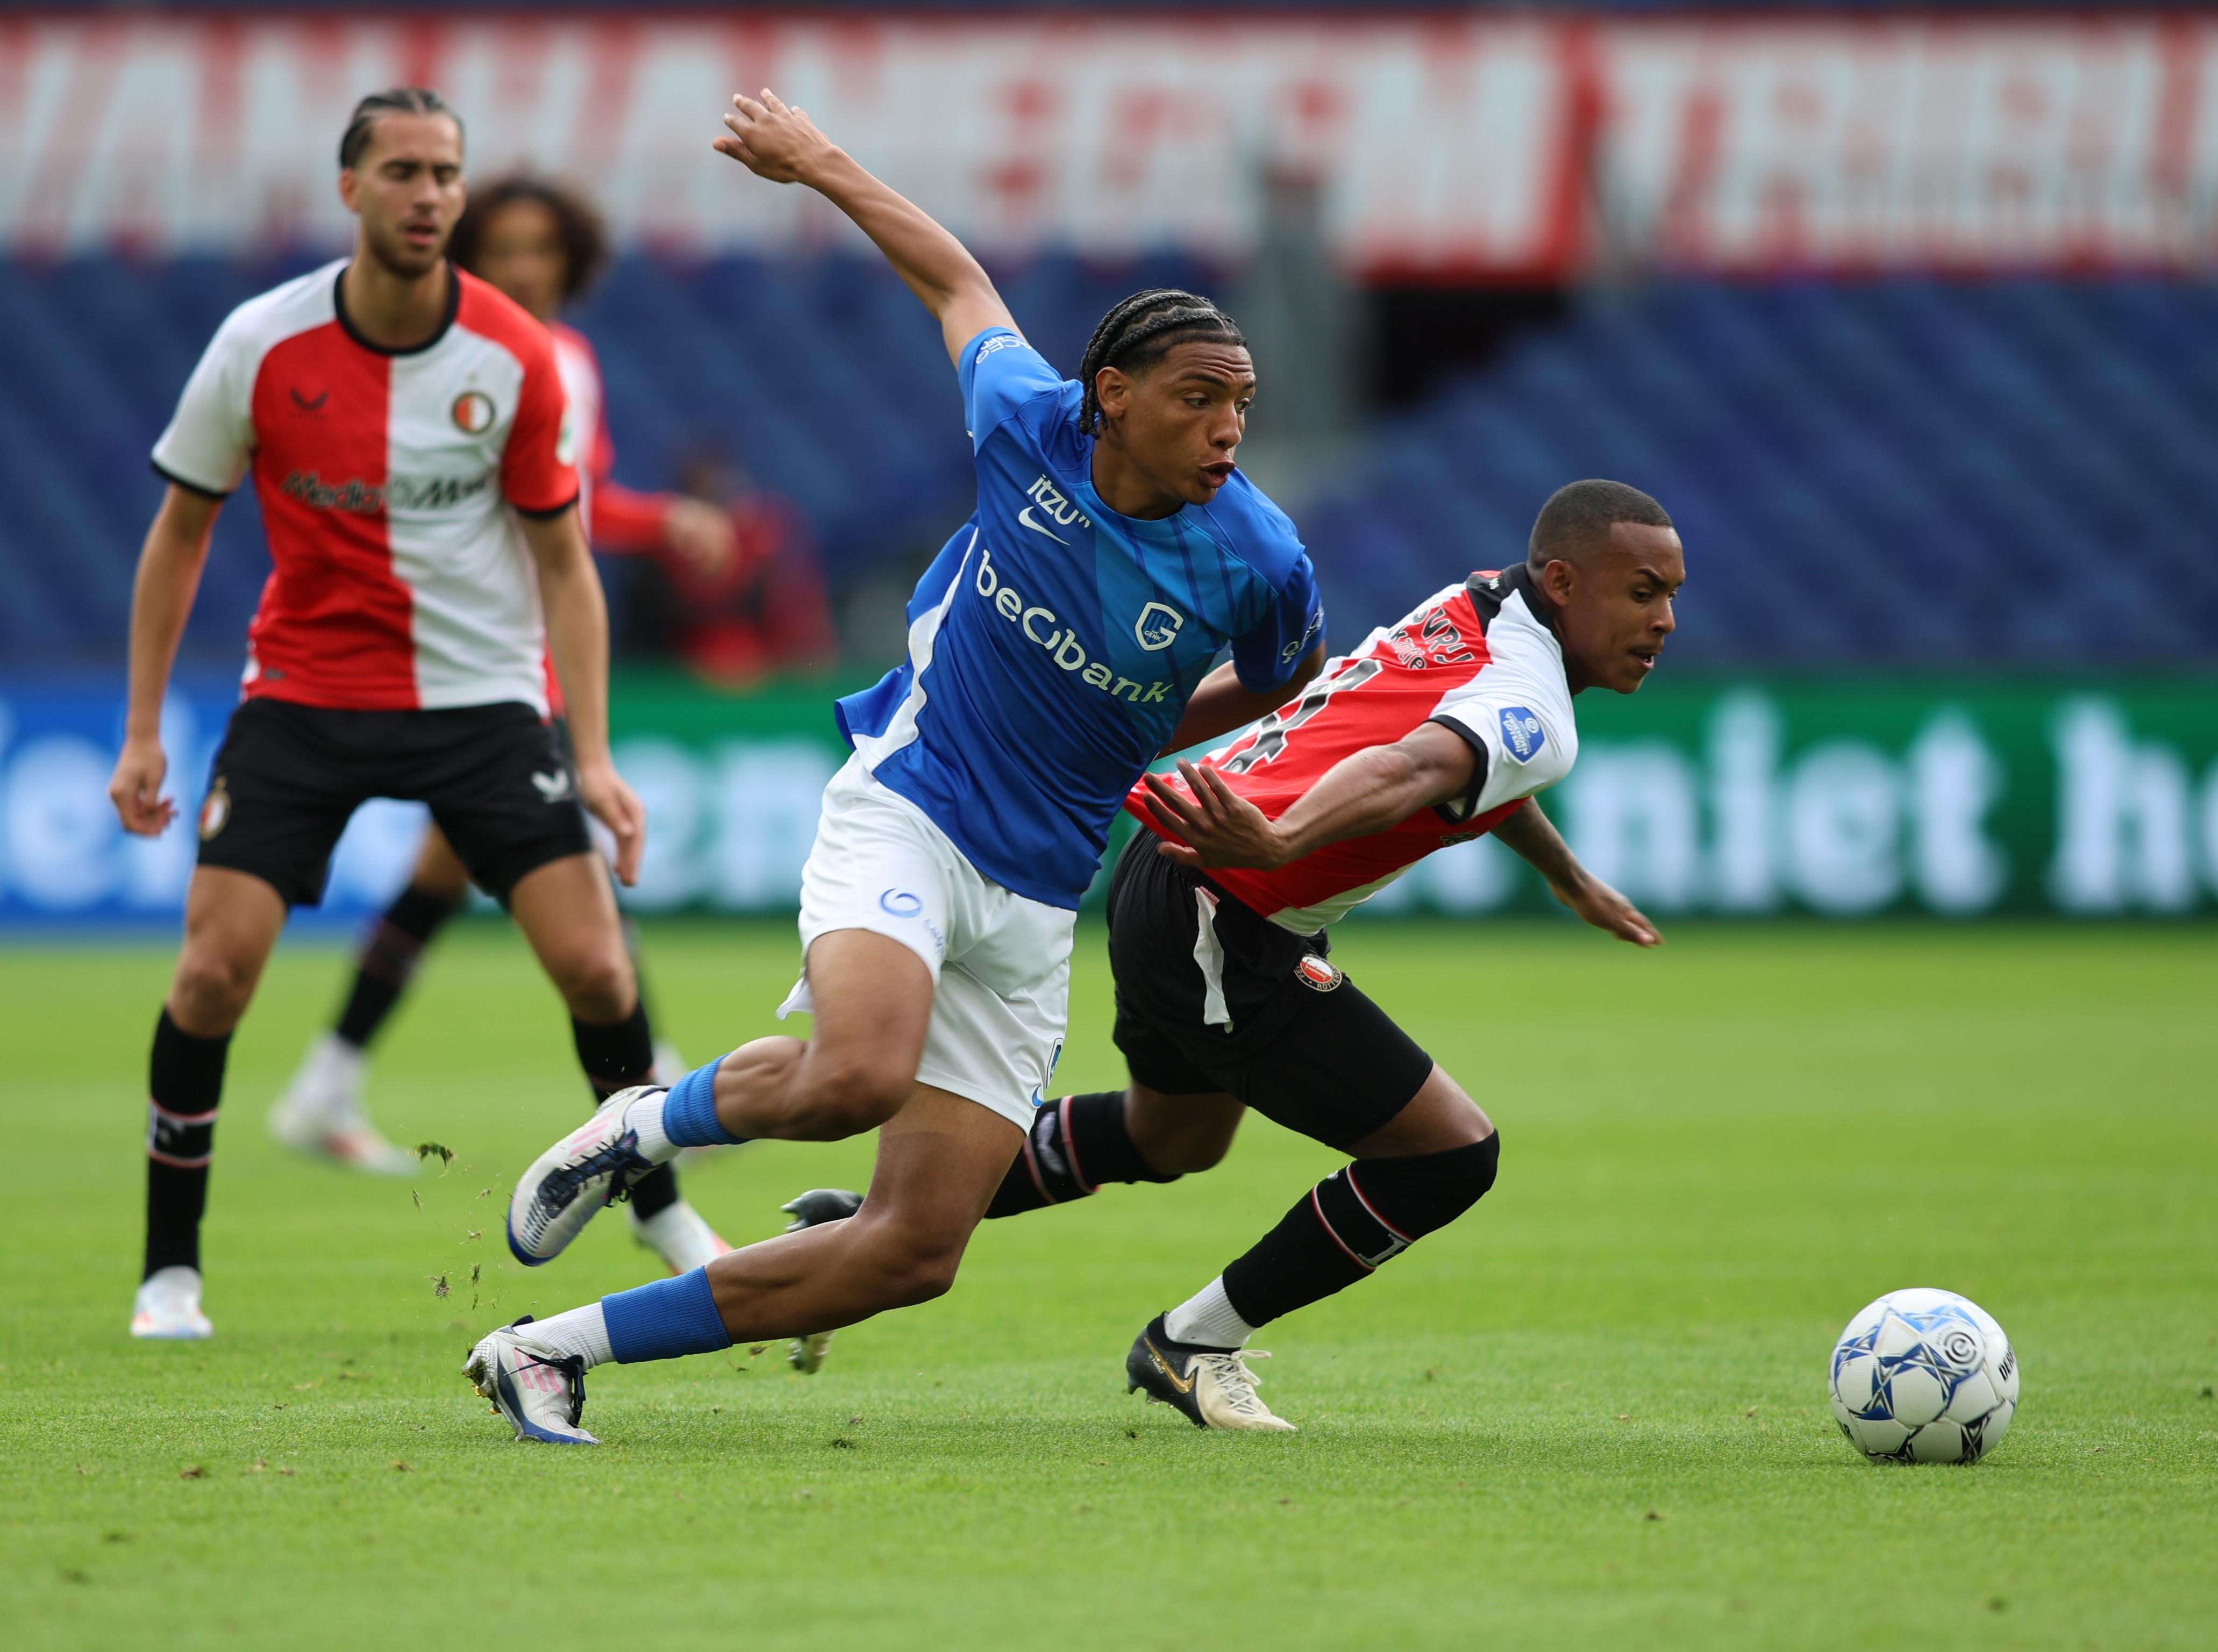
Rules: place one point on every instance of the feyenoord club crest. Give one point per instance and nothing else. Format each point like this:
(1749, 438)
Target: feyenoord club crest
(474, 412)
(215, 810)
(1317, 975)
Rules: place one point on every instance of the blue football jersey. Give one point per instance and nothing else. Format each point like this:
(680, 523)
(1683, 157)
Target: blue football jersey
(1053, 642)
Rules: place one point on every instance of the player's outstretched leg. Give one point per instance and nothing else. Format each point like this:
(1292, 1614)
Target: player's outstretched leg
(940, 1159)
(872, 1000)
(1426, 1166)
(322, 1112)
(568, 913)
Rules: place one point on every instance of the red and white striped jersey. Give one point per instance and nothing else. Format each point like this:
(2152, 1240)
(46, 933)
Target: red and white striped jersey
(616, 517)
(1477, 658)
(387, 479)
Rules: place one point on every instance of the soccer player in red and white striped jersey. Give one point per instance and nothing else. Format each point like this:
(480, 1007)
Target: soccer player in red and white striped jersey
(409, 439)
(1432, 732)
(541, 244)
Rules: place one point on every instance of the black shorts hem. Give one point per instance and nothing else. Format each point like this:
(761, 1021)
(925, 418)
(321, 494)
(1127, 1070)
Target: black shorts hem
(288, 777)
(1305, 1048)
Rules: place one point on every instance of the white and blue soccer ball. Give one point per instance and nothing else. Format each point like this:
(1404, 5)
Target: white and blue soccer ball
(1924, 1376)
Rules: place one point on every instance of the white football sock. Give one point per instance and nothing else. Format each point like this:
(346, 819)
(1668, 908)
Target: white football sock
(582, 1331)
(1207, 1319)
(645, 1115)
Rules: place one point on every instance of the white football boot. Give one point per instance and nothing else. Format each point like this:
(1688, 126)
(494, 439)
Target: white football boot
(680, 1235)
(822, 1204)
(1211, 1387)
(568, 1186)
(321, 1112)
(541, 1396)
(168, 1308)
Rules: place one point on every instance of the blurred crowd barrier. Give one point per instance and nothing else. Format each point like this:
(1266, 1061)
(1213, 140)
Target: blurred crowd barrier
(1467, 146)
(1842, 799)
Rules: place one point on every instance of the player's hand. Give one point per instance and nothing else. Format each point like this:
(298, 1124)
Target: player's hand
(1221, 828)
(702, 535)
(617, 807)
(135, 787)
(1606, 909)
(771, 140)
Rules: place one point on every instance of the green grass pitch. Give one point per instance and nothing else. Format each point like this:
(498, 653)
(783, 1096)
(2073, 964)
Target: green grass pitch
(1591, 1414)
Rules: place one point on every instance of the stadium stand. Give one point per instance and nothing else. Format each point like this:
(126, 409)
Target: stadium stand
(1899, 471)
(2008, 472)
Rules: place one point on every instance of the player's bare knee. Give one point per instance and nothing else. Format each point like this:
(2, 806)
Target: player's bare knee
(916, 1265)
(597, 986)
(210, 991)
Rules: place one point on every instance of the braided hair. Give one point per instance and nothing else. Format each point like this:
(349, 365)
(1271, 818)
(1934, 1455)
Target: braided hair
(394, 100)
(1140, 330)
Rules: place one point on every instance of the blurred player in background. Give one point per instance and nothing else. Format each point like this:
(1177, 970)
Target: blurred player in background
(408, 435)
(1062, 637)
(1435, 731)
(542, 245)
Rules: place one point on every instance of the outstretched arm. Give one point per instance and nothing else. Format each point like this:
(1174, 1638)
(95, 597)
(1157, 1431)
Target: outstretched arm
(1365, 792)
(784, 145)
(1535, 837)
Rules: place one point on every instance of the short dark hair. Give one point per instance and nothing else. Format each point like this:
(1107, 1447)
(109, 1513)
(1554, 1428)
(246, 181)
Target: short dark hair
(576, 224)
(1578, 516)
(394, 100)
(1139, 331)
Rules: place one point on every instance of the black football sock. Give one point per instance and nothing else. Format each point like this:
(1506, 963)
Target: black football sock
(1073, 1147)
(1353, 1222)
(184, 1083)
(388, 958)
(617, 1057)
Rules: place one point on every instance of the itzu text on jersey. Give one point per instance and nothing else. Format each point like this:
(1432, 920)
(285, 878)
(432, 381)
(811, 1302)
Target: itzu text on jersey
(1052, 644)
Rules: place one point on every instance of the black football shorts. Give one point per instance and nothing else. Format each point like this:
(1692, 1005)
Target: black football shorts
(1247, 1008)
(287, 779)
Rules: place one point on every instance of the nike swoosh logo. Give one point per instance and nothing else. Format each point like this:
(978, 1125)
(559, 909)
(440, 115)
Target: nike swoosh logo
(1184, 1385)
(553, 787)
(1024, 516)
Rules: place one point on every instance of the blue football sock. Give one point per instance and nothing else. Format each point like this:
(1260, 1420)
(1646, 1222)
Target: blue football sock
(688, 1111)
(665, 1320)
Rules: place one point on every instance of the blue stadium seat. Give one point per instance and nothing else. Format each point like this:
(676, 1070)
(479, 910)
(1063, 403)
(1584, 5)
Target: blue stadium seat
(2012, 472)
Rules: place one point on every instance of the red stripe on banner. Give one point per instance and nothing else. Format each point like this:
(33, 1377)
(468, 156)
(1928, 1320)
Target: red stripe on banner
(421, 40)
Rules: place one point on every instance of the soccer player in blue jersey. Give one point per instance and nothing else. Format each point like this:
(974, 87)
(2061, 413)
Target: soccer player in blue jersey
(1062, 640)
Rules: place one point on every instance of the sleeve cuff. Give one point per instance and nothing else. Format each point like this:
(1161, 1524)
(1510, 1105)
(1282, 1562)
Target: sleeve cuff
(186, 483)
(1461, 809)
(546, 514)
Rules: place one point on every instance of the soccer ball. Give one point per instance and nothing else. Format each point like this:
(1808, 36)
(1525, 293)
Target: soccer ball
(1924, 1376)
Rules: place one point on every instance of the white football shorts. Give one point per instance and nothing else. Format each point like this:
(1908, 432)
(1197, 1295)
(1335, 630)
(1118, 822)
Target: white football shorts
(1000, 961)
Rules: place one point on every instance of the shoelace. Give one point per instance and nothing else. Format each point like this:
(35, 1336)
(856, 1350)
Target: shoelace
(1238, 1383)
(613, 1159)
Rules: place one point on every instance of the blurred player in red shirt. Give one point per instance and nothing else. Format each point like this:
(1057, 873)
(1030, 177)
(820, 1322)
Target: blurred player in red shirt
(411, 443)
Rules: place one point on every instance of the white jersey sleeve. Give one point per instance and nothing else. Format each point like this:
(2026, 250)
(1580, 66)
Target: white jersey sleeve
(1518, 708)
(210, 439)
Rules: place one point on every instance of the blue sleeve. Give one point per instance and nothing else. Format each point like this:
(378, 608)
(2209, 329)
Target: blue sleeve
(999, 373)
(1266, 656)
